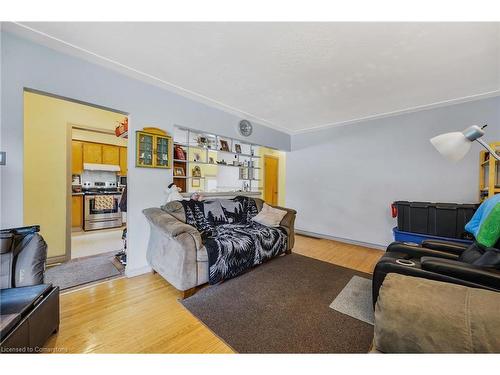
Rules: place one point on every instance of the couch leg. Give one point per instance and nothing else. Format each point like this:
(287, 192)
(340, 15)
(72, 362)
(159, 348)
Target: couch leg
(189, 292)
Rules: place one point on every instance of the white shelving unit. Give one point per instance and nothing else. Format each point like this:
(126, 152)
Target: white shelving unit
(191, 141)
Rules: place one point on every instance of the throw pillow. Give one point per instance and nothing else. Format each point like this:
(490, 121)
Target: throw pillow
(269, 216)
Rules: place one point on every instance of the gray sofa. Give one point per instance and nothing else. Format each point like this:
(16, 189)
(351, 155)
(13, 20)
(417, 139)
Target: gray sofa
(176, 251)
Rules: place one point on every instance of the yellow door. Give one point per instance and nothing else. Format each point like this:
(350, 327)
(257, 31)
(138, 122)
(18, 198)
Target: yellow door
(92, 153)
(123, 161)
(271, 179)
(76, 157)
(110, 155)
(76, 211)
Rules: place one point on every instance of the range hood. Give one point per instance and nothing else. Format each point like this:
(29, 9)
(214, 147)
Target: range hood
(101, 167)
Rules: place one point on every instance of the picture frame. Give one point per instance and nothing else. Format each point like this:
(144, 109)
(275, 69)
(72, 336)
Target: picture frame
(179, 171)
(224, 146)
(179, 153)
(202, 141)
(195, 182)
(196, 171)
(237, 148)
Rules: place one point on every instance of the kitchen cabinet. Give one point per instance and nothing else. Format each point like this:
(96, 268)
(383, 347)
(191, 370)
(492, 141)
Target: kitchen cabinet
(110, 155)
(76, 211)
(76, 157)
(123, 161)
(92, 153)
(153, 149)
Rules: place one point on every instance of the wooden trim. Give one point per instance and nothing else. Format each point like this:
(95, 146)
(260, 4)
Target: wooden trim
(340, 239)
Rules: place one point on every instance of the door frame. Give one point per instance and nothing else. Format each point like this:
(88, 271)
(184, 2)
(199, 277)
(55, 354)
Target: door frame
(69, 136)
(267, 156)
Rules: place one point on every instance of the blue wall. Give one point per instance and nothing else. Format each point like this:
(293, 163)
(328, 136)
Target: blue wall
(355, 172)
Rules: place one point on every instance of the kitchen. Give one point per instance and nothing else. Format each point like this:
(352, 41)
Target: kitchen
(99, 177)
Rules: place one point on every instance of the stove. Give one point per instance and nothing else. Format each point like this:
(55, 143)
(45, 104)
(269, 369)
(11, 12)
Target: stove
(101, 212)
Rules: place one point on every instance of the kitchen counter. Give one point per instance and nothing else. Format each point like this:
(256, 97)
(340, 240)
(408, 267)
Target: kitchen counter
(226, 194)
(97, 193)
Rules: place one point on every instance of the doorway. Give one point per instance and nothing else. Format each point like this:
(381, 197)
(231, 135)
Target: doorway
(271, 170)
(74, 173)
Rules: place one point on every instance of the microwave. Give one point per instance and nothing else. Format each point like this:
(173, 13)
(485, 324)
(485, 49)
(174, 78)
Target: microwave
(122, 181)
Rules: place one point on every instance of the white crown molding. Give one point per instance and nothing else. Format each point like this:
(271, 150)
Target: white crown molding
(52, 42)
(424, 107)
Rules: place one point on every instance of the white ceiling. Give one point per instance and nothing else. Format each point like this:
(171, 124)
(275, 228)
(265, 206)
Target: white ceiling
(297, 76)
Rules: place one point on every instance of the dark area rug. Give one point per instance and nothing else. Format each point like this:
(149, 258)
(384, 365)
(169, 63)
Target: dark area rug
(84, 270)
(282, 306)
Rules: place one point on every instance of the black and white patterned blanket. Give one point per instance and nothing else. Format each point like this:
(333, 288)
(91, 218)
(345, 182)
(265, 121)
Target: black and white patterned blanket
(233, 241)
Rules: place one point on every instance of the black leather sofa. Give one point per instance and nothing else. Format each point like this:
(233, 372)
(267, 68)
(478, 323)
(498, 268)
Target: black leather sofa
(468, 265)
(29, 308)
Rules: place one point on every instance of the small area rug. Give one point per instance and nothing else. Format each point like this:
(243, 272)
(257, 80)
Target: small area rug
(282, 306)
(356, 300)
(84, 270)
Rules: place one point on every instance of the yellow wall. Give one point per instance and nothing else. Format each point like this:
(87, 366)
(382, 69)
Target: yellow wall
(281, 155)
(47, 137)
(90, 136)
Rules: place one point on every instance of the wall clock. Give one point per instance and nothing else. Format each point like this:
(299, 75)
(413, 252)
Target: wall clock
(245, 128)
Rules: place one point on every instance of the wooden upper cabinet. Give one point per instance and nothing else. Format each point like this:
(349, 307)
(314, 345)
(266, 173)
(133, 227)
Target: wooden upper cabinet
(123, 161)
(92, 153)
(76, 157)
(110, 155)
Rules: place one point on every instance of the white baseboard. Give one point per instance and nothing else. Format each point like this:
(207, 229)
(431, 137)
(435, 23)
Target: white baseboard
(137, 271)
(339, 239)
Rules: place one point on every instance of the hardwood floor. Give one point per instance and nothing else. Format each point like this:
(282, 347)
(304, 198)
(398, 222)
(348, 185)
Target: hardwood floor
(143, 315)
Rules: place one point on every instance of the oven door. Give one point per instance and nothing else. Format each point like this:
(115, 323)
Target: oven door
(96, 216)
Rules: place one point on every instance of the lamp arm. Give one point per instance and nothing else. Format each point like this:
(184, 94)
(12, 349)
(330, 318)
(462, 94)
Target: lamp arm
(486, 146)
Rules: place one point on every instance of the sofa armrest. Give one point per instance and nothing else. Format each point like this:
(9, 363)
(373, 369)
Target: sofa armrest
(415, 251)
(288, 223)
(170, 226)
(447, 247)
(463, 271)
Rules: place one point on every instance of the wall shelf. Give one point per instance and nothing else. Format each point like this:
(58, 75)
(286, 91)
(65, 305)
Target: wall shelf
(489, 171)
(189, 140)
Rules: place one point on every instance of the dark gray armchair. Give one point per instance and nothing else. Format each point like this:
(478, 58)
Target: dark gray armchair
(23, 253)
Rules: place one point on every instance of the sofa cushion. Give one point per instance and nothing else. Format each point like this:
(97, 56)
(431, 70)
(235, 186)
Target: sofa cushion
(20, 300)
(415, 315)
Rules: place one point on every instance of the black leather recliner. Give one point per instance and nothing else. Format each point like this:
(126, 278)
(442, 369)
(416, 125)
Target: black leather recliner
(469, 265)
(29, 309)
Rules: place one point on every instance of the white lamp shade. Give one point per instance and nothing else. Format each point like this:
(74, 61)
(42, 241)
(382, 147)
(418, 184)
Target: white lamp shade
(453, 145)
